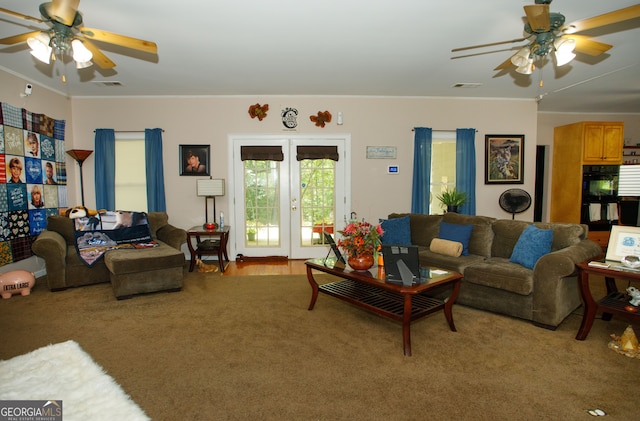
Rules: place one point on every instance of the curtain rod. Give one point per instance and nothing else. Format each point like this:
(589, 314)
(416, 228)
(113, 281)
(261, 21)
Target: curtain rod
(129, 131)
(441, 130)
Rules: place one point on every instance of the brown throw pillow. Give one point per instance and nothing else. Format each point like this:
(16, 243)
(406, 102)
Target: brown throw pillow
(446, 247)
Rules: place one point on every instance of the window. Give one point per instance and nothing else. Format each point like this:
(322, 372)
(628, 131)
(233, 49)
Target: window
(443, 168)
(131, 178)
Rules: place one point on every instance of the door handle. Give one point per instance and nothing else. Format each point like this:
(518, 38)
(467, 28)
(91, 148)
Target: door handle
(294, 208)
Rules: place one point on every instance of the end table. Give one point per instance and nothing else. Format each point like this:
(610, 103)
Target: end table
(214, 245)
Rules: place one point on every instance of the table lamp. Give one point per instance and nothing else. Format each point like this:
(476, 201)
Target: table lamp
(210, 188)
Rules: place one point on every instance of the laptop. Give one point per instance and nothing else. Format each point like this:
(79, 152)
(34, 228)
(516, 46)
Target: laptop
(402, 264)
(340, 262)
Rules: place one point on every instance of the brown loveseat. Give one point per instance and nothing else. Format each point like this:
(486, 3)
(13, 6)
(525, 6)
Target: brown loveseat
(545, 295)
(130, 271)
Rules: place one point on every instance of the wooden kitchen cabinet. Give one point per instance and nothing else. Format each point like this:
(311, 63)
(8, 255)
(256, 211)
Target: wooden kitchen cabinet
(602, 143)
(576, 145)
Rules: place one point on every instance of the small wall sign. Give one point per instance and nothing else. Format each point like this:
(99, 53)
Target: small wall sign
(381, 152)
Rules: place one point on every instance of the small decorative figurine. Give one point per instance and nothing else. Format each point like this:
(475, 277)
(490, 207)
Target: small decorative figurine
(635, 296)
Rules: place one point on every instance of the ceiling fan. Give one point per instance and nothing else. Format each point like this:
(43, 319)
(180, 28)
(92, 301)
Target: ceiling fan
(66, 35)
(546, 32)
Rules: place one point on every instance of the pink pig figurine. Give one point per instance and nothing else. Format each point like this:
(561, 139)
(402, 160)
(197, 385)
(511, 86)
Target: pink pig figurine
(16, 282)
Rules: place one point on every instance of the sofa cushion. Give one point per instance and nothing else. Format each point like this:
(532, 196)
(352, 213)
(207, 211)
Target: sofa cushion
(482, 235)
(424, 228)
(458, 233)
(441, 261)
(446, 247)
(564, 235)
(500, 273)
(396, 230)
(157, 220)
(531, 246)
(63, 226)
(506, 235)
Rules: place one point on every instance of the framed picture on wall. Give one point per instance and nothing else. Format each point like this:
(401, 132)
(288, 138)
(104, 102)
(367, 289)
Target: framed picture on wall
(504, 159)
(194, 159)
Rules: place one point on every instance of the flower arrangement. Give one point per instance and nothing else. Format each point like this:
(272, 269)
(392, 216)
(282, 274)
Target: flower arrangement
(360, 238)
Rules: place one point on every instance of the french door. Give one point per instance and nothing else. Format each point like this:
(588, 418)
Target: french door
(288, 190)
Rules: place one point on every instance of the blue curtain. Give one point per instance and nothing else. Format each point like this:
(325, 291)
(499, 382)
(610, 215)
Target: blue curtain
(105, 175)
(421, 170)
(155, 172)
(466, 168)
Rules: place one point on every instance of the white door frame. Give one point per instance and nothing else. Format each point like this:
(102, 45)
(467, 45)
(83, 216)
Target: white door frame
(236, 215)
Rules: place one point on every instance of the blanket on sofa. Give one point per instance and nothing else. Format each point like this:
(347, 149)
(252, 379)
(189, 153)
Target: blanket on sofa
(96, 235)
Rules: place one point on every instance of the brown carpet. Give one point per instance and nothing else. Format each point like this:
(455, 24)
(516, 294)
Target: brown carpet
(247, 348)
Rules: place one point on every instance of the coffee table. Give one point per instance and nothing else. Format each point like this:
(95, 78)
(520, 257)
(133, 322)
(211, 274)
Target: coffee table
(369, 290)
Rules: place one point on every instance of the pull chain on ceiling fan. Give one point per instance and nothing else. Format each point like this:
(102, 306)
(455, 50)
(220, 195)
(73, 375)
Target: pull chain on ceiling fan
(546, 32)
(67, 37)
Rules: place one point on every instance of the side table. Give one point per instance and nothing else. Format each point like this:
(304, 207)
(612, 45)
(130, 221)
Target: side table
(214, 245)
(613, 303)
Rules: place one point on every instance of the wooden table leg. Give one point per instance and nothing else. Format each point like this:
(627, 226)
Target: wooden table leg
(448, 305)
(406, 325)
(314, 288)
(590, 307)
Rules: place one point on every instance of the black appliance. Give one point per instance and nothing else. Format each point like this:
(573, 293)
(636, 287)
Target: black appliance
(599, 196)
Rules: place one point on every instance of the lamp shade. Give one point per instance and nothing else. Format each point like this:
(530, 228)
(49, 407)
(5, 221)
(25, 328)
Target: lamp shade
(79, 154)
(521, 58)
(40, 47)
(210, 187)
(80, 53)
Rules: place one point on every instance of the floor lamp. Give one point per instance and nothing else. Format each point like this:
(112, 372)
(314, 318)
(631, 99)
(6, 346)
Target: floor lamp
(80, 155)
(210, 188)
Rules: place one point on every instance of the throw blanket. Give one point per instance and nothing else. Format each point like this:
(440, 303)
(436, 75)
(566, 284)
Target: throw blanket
(95, 235)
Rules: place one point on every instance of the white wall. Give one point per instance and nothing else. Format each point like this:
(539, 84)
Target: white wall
(369, 121)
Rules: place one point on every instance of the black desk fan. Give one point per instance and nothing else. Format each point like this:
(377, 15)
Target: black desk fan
(515, 201)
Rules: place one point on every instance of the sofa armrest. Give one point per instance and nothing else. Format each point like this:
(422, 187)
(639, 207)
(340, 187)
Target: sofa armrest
(52, 247)
(555, 284)
(173, 236)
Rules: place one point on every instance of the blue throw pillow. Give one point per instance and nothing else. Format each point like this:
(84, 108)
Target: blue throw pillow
(457, 232)
(396, 231)
(532, 245)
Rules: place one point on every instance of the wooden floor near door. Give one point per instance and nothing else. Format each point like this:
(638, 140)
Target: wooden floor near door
(288, 267)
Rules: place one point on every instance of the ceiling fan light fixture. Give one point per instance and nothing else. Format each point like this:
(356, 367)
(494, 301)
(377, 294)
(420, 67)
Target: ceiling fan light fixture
(527, 68)
(40, 47)
(522, 57)
(83, 64)
(80, 53)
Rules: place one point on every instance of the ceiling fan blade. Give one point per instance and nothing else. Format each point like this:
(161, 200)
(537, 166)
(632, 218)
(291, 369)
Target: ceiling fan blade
(586, 45)
(488, 45)
(538, 17)
(99, 58)
(20, 15)
(16, 39)
(505, 64)
(63, 11)
(616, 16)
(111, 38)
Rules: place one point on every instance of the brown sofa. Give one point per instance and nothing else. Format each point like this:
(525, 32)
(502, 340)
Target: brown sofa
(130, 271)
(545, 295)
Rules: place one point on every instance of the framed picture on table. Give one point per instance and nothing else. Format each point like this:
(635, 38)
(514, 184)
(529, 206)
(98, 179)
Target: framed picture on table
(194, 159)
(623, 241)
(504, 159)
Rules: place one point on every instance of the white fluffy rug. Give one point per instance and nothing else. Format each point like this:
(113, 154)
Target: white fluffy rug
(65, 372)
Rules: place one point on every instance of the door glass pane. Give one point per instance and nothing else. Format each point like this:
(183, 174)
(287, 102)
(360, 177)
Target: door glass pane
(262, 198)
(317, 200)
(443, 172)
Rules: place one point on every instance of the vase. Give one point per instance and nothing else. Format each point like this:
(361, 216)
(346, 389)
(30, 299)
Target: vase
(361, 261)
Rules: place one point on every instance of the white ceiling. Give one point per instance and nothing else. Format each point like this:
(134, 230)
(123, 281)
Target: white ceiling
(335, 47)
